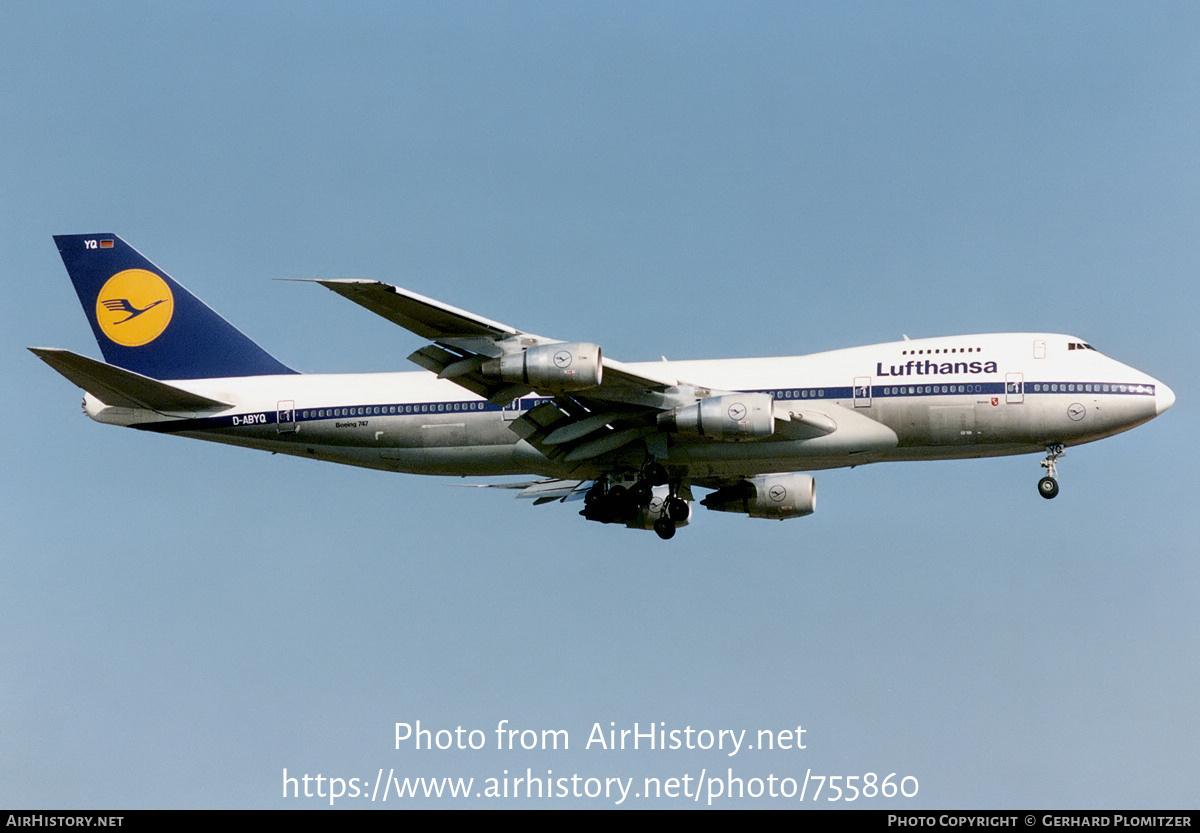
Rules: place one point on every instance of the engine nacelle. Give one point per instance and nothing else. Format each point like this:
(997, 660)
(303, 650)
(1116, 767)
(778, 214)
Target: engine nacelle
(736, 416)
(778, 496)
(559, 367)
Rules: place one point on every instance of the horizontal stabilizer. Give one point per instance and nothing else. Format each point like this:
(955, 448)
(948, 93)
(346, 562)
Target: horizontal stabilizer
(121, 388)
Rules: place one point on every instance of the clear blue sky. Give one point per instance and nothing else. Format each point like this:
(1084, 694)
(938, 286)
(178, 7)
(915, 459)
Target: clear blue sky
(182, 621)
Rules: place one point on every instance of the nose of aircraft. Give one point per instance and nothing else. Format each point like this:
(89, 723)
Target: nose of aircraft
(1164, 397)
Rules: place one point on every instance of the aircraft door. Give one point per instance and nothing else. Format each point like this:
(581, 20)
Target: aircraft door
(862, 391)
(1014, 388)
(512, 410)
(285, 416)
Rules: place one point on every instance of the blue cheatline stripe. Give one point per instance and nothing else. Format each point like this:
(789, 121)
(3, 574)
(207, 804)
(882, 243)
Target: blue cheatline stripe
(801, 395)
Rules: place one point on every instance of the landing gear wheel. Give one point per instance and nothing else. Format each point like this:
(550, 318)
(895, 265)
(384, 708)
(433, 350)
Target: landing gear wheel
(665, 528)
(593, 494)
(677, 509)
(641, 493)
(654, 474)
(1048, 486)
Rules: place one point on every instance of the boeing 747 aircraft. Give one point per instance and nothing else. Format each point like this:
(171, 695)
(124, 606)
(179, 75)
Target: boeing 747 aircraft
(632, 441)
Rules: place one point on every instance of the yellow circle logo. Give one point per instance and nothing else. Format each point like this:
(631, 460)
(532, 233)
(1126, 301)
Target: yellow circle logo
(134, 307)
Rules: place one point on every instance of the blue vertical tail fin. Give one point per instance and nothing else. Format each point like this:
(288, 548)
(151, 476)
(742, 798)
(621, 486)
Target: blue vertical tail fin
(148, 323)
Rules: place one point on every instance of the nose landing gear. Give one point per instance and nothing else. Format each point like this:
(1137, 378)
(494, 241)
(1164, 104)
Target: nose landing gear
(1048, 485)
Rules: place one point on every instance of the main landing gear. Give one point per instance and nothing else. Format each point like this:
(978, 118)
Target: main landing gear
(618, 503)
(675, 509)
(1048, 486)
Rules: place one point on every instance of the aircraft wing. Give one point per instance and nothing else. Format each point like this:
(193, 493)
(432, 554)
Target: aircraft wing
(464, 342)
(424, 316)
(598, 406)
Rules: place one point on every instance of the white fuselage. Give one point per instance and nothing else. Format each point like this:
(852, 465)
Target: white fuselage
(953, 397)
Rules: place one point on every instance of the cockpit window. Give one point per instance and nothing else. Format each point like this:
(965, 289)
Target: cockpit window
(1079, 345)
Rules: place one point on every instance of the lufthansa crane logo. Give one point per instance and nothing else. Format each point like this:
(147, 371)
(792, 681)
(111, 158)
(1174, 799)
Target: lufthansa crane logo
(777, 493)
(134, 307)
(737, 411)
(563, 358)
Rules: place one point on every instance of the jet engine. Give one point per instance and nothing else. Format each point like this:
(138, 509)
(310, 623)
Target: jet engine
(736, 416)
(558, 367)
(778, 496)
